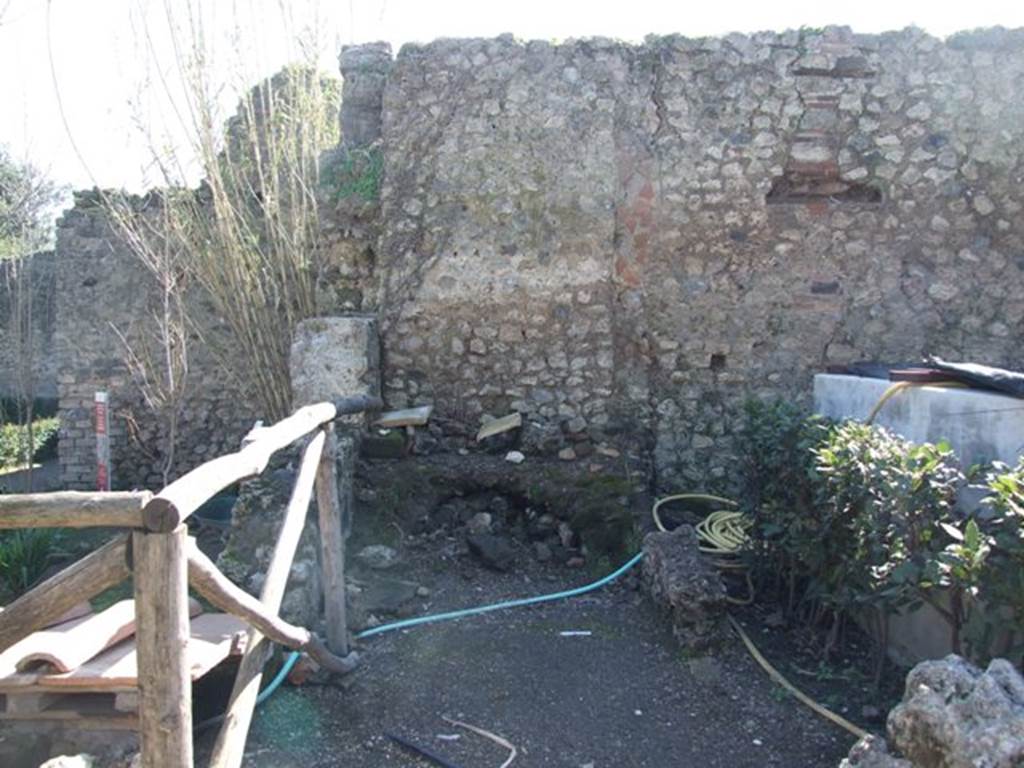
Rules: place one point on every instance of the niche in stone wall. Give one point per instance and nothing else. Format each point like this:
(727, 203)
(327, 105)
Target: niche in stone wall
(792, 188)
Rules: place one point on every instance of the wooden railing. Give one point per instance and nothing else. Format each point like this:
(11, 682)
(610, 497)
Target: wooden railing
(158, 554)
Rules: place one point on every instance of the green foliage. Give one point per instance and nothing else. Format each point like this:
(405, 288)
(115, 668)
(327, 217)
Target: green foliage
(851, 519)
(356, 174)
(986, 559)
(780, 482)
(848, 517)
(27, 200)
(24, 557)
(883, 502)
(14, 442)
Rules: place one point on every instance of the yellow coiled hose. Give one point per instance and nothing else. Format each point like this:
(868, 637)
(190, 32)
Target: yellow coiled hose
(722, 534)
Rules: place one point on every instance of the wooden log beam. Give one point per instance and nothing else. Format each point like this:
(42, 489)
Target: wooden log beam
(44, 603)
(73, 509)
(170, 508)
(209, 582)
(230, 744)
(161, 639)
(331, 498)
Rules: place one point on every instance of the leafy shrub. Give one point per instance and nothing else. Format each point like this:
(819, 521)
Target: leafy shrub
(780, 484)
(14, 442)
(883, 504)
(983, 567)
(24, 557)
(848, 517)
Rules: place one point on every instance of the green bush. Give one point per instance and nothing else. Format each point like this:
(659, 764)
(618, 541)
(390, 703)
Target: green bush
(14, 443)
(779, 486)
(851, 520)
(884, 501)
(24, 557)
(848, 517)
(983, 567)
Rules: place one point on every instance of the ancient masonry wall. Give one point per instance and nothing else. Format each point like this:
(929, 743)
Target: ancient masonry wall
(625, 242)
(105, 293)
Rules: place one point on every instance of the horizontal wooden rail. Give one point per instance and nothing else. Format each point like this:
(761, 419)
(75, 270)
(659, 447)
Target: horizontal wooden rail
(209, 582)
(97, 571)
(170, 508)
(73, 509)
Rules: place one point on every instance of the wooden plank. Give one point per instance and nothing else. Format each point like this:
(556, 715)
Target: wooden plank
(45, 602)
(162, 639)
(73, 509)
(29, 703)
(80, 712)
(330, 513)
(67, 648)
(408, 417)
(77, 611)
(497, 426)
(230, 744)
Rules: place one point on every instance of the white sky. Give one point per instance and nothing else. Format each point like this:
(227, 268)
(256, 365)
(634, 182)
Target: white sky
(109, 73)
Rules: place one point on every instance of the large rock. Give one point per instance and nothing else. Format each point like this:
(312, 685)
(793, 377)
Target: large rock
(493, 551)
(872, 752)
(686, 585)
(953, 715)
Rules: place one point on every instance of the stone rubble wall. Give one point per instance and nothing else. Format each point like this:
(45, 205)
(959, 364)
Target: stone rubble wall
(104, 289)
(625, 242)
(629, 241)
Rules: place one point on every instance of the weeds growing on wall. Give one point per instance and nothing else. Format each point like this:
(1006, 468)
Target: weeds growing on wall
(356, 173)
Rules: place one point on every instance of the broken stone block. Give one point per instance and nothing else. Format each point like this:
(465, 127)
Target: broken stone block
(954, 715)
(685, 585)
(335, 357)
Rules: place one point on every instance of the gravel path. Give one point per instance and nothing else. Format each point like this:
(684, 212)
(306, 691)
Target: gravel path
(623, 696)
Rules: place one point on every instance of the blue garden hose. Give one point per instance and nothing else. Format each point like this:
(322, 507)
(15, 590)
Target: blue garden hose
(293, 657)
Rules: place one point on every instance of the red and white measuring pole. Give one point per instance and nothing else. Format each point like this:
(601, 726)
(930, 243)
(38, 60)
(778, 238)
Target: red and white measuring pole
(102, 411)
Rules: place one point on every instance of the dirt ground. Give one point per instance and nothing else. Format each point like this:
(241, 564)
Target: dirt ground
(623, 696)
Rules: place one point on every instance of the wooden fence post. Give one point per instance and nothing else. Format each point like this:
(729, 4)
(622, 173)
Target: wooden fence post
(161, 637)
(331, 511)
(230, 744)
